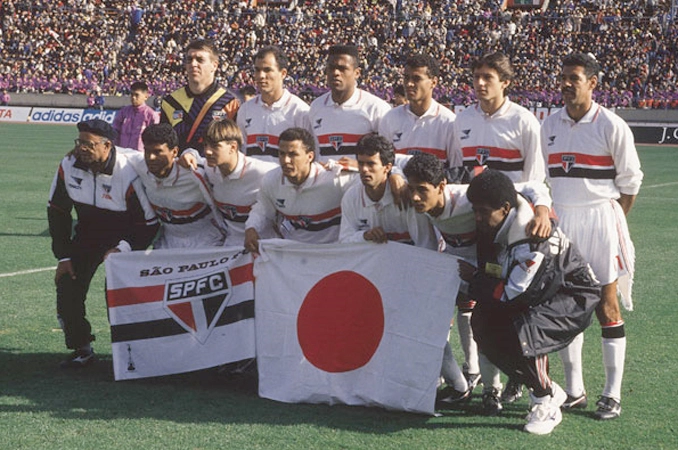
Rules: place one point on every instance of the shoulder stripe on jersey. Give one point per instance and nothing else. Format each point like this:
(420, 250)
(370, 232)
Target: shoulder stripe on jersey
(203, 112)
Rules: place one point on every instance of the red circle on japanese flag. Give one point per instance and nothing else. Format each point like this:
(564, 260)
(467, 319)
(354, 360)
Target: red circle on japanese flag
(341, 322)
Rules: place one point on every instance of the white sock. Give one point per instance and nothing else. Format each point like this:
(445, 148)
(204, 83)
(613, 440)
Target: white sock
(489, 374)
(451, 372)
(468, 344)
(614, 354)
(572, 366)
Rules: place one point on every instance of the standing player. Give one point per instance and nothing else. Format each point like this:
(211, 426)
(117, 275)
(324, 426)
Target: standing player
(275, 109)
(133, 119)
(595, 175)
(422, 124)
(342, 116)
(113, 214)
(504, 136)
(191, 108)
(495, 132)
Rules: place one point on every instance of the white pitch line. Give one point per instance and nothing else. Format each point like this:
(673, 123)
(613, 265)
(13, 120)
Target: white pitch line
(673, 183)
(24, 272)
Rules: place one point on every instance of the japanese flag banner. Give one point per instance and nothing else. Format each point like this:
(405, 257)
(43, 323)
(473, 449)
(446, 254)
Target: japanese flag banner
(174, 311)
(359, 324)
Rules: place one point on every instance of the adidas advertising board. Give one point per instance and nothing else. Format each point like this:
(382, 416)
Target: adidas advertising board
(69, 116)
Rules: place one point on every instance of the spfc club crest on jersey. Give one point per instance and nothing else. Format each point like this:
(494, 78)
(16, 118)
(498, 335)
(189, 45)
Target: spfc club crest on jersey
(567, 162)
(482, 155)
(229, 211)
(107, 191)
(262, 142)
(164, 214)
(336, 142)
(197, 304)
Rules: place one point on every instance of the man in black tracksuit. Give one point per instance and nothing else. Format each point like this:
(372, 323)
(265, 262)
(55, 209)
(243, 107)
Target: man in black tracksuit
(113, 214)
(533, 297)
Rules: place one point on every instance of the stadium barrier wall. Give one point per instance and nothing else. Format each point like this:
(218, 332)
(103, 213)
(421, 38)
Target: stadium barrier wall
(649, 126)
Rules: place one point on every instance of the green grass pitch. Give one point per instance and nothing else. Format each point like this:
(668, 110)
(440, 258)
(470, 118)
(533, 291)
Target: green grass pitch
(43, 407)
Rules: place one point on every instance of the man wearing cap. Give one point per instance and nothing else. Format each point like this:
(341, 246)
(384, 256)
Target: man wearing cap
(113, 214)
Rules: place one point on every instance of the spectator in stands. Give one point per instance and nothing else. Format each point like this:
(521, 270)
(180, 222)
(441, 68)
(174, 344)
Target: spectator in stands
(99, 100)
(5, 98)
(635, 36)
(399, 97)
(131, 121)
(247, 92)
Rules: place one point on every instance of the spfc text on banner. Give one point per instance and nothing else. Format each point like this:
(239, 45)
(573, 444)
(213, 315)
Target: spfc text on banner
(174, 312)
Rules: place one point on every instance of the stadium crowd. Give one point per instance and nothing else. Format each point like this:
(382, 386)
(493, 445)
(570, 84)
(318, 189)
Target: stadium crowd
(78, 46)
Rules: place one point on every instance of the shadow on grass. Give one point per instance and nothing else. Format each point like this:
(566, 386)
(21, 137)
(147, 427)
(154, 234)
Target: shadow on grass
(33, 383)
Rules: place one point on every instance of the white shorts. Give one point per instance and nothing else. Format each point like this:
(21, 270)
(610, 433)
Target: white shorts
(601, 234)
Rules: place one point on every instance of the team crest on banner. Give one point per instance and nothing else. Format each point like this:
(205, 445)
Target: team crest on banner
(482, 155)
(336, 142)
(568, 162)
(178, 310)
(197, 303)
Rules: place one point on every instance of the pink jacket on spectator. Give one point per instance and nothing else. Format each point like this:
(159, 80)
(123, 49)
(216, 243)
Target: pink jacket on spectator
(130, 122)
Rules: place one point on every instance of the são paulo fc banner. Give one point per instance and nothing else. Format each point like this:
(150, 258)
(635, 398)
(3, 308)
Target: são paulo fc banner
(359, 324)
(178, 311)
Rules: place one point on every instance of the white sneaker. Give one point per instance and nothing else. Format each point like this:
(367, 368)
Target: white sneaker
(545, 412)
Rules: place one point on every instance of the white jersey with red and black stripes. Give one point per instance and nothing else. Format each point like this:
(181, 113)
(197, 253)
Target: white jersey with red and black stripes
(184, 206)
(309, 212)
(508, 141)
(235, 194)
(338, 127)
(457, 224)
(261, 124)
(430, 133)
(592, 160)
(359, 214)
